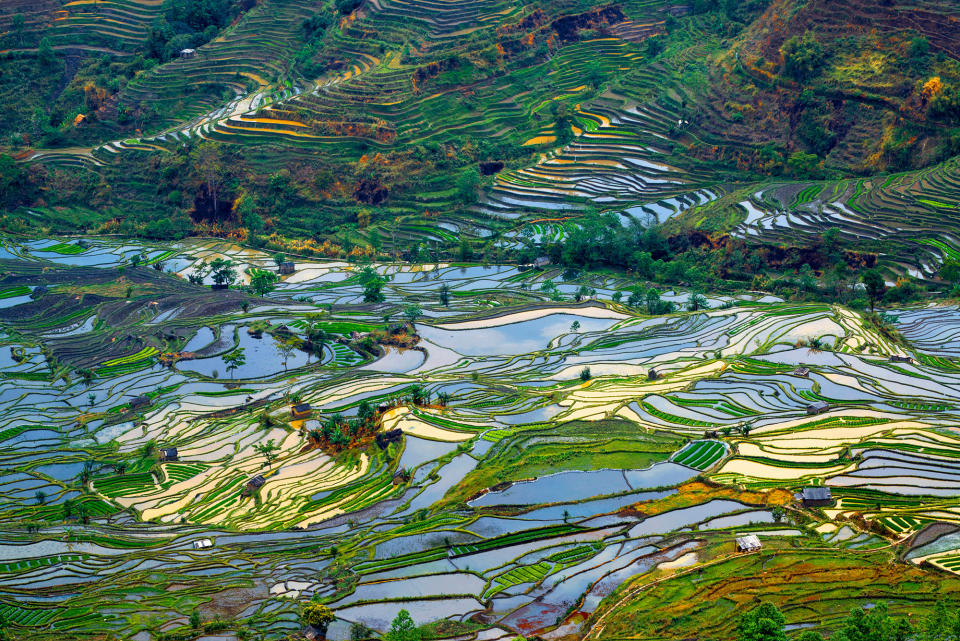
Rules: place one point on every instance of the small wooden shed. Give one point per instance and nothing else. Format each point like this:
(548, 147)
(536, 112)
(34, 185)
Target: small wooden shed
(818, 408)
(139, 402)
(818, 496)
(748, 543)
(300, 410)
(253, 485)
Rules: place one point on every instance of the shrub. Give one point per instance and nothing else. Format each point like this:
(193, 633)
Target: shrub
(802, 56)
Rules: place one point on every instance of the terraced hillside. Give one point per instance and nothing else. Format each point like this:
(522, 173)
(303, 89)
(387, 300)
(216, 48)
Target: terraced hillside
(497, 463)
(479, 320)
(382, 125)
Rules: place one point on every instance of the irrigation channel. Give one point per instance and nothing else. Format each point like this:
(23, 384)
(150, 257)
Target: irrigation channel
(522, 490)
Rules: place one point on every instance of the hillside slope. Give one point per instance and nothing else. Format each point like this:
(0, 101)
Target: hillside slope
(367, 126)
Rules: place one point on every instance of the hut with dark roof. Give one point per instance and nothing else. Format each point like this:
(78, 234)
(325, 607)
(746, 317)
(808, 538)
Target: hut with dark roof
(818, 408)
(818, 496)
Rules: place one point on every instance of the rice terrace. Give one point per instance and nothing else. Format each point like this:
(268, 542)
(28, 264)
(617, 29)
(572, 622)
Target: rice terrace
(480, 320)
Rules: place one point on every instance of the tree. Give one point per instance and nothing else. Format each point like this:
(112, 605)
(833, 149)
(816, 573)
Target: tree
(876, 624)
(235, 359)
(950, 271)
(403, 628)
(212, 171)
(279, 258)
(831, 240)
(12, 181)
(574, 327)
(875, 285)
(445, 295)
(263, 282)
(373, 291)
(267, 450)
(419, 394)
(222, 271)
(360, 632)
(45, 54)
(317, 615)
(467, 184)
(593, 74)
(585, 374)
(286, 347)
(198, 273)
(764, 623)
(803, 165)
(466, 251)
(195, 620)
(697, 302)
(802, 56)
(653, 301)
(17, 23)
(412, 312)
(317, 337)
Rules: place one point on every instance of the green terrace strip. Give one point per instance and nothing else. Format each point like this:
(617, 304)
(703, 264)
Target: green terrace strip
(512, 539)
(65, 248)
(700, 455)
(30, 564)
(517, 576)
(672, 418)
(10, 292)
(29, 616)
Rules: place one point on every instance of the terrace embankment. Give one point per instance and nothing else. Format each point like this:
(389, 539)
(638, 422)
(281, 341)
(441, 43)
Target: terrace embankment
(815, 587)
(120, 301)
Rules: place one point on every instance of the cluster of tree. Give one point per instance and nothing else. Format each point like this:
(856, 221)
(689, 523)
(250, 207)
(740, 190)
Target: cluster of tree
(402, 628)
(767, 623)
(599, 240)
(803, 56)
(222, 271)
(187, 24)
(309, 59)
(15, 186)
(372, 284)
(943, 100)
(735, 10)
(650, 300)
(339, 432)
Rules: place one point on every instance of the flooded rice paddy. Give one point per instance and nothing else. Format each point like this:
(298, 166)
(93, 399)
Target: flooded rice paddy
(521, 488)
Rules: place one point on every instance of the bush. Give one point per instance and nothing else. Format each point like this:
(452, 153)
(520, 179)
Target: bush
(467, 185)
(802, 56)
